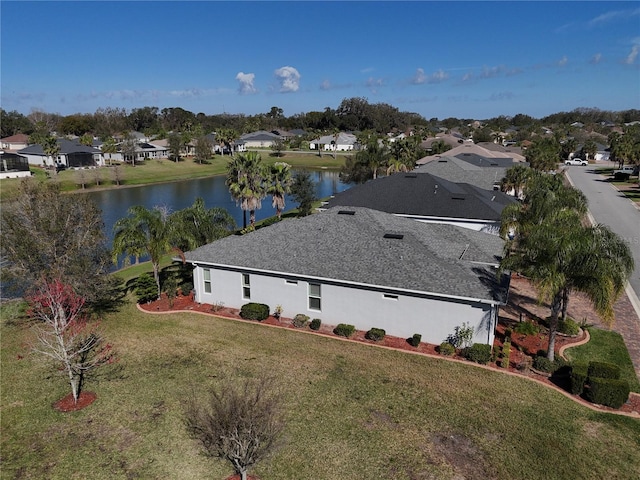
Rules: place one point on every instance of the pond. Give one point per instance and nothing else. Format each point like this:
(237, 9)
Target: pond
(114, 203)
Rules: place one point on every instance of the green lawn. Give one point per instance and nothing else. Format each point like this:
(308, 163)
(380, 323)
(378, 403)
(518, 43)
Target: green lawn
(158, 171)
(606, 346)
(352, 411)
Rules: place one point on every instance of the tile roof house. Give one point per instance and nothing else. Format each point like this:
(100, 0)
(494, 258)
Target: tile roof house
(362, 267)
(259, 139)
(427, 198)
(72, 154)
(15, 142)
(344, 142)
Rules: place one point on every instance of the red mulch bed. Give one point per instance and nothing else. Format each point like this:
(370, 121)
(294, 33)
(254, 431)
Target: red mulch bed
(521, 347)
(67, 404)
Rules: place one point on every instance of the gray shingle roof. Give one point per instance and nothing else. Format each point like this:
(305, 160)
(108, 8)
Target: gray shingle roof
(441, 259)
(460, 171)
(66, 147)
(422, 194)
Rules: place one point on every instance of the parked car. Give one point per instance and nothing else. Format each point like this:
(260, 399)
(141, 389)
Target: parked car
(625, 172)
(576, 161)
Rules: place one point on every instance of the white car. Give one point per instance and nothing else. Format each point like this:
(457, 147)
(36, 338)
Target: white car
(576, 161)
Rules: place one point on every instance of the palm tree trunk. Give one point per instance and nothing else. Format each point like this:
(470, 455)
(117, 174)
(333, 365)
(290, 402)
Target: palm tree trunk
(565, 303)
(553, 326)
(252, 217)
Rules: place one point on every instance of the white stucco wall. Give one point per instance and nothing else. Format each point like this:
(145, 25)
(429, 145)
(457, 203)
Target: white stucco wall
(433, 318)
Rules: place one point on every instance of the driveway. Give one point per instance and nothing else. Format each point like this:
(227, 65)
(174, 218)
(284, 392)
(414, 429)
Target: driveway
(610, 207)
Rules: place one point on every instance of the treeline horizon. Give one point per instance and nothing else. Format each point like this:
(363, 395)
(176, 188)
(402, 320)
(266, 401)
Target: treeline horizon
(353, 114)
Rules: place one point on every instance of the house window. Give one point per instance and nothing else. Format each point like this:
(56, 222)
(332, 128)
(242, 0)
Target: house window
(206, 273)
(246, 286)
(314, 296)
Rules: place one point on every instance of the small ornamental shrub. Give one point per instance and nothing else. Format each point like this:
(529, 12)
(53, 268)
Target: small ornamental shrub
(254, 311)
(607, 391)
(568, 327)
(577, 379)
(415, 340)
(526, 328)
(170, 287)
(478, 352)
(507, 333)
(375, 334)
(462, 336)
(543, 364)
(446, 348)
(300, 320)
(146, 288)
(315, 324)
(344, 330)
(603, 370)
(186, 288)
(505, 354)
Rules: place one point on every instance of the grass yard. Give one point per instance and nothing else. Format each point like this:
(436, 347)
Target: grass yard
(159, 171)
(606, 346)
(352, 411)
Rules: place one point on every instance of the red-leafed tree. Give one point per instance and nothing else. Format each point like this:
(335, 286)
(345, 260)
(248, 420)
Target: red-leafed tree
(65, 334)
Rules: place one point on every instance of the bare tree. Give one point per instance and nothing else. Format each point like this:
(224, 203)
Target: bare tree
(97, 175)
(81, 177)
(242, 424)
(117, 174)
(64, 333)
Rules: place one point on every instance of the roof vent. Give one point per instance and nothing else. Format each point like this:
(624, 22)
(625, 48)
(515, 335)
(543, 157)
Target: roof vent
(396, 236)
(411, 175)
(346, 212)
(457, 198)
(442, 161)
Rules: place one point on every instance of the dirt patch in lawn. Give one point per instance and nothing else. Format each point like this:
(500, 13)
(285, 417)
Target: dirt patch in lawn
(67, 404)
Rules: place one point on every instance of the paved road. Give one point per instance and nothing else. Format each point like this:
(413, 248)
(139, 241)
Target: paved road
(610, 207)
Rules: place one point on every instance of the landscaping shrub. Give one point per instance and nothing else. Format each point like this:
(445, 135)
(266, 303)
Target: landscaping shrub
(146, 289)
(446, 348)
(507, 333)
(603, 370)
(300, 320)
(375, 334)
(344, 330)
(462, 336)
(568, 327)
(543, 364)
(505, 354)
(415, 340)
(254, 311)
(577, 379)
(315, 324)
(478, 352)
(607, 391)
(186, 288)
(526, 328)
(170, 287)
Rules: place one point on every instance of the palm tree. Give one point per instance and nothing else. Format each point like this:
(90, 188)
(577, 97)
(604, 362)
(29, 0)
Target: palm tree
(146, 232)
(51, 148)
(279, 185)
(515, 179)
(109, 146)
(245, 179)
(550, 245)
(225, 137)
(196, 225)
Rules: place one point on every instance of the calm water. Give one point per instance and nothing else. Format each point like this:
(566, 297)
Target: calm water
(114, 203)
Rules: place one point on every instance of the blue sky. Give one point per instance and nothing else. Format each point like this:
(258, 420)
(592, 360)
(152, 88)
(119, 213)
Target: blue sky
(439, 59)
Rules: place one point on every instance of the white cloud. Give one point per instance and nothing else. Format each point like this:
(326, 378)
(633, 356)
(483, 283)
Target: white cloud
(612, 16)
(563, 61)
(246, 86)
(633, 55)
(325, 85)
(289, 79)
(374, 83)
(436, 77)
(596, 59)
(419, 78)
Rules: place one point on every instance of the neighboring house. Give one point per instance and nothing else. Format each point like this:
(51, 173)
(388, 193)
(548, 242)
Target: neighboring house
(15, 142)
(487, 151)
(343, 142)
(72, 154)
(13, 165)
(460, 171)
(151, 150)
(361, 267)
(426, 198)
(259, 139)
